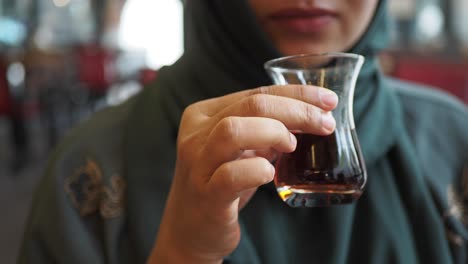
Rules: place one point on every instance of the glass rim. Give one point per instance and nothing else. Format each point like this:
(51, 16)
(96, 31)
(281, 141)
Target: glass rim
(271, 63)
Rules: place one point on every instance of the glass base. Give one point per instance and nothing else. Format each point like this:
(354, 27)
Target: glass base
(299, 197)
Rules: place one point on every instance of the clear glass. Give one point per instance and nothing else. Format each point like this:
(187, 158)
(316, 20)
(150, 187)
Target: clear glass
(323, 170)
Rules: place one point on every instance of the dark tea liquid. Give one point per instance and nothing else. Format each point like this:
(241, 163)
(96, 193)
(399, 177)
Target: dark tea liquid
(314, 175)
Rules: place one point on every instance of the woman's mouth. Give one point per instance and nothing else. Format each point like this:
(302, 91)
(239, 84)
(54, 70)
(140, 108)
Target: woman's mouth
(303, 21)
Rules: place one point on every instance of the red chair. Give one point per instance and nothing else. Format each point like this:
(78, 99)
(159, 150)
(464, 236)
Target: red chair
(446, 75)
(147, 76)
(95, 68)
(5, 98)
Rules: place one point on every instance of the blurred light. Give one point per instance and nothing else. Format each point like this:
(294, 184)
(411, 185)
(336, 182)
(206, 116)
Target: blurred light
(15, 77)
(430, 21)
(460, 20)
(12, 32)
(44, 38)
(155, 27)
(120, 93)
(402, 9)
(61, 3)
(15, 74)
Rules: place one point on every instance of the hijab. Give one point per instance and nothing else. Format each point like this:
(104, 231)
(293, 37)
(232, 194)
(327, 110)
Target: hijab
(225, 49)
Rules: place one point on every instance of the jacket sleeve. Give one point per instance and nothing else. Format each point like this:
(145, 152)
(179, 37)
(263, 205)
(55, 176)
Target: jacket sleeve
(78, 210)
(60, 229)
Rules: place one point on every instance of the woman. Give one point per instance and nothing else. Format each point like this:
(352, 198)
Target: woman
(173, 176)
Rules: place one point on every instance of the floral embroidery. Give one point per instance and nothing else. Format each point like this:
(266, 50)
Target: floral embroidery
(89, 194)
(84, 188)
(458, 199)
(455, 206)
(455, 238)
(458, 207)
(112, 202)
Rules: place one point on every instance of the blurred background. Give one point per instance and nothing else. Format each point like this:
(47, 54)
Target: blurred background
(62, 60)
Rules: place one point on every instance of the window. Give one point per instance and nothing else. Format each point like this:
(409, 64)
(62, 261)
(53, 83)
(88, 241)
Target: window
(154, 27)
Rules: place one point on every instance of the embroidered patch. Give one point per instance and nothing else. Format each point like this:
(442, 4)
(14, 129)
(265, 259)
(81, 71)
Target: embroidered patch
(88, 193)
(454, 238)
(458, 199)
(112, 202)
(84, 188)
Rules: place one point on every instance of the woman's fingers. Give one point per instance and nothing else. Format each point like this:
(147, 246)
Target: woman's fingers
(269, 154)
(318, 96)
(294, 114)
(234, 177)
(211, 171)
(232, 135)
(299, 114)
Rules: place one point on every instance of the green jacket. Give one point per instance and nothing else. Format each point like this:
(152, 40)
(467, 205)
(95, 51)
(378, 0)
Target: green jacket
(105, 188)
(80, 212)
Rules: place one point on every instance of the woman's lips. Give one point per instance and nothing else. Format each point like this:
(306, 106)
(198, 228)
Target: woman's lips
(303, 20)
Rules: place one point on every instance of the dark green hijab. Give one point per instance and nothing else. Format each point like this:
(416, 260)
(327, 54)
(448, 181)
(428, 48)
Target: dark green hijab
(395, 220)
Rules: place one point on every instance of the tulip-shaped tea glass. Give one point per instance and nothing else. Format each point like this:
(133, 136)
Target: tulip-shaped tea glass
(323, 170)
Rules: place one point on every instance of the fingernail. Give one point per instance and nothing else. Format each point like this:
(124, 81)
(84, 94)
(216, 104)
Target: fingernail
(328, 97)
(293, 139)
(273, 171)
(328, 122)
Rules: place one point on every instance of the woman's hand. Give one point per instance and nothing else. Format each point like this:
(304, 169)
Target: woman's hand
(223, 150)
